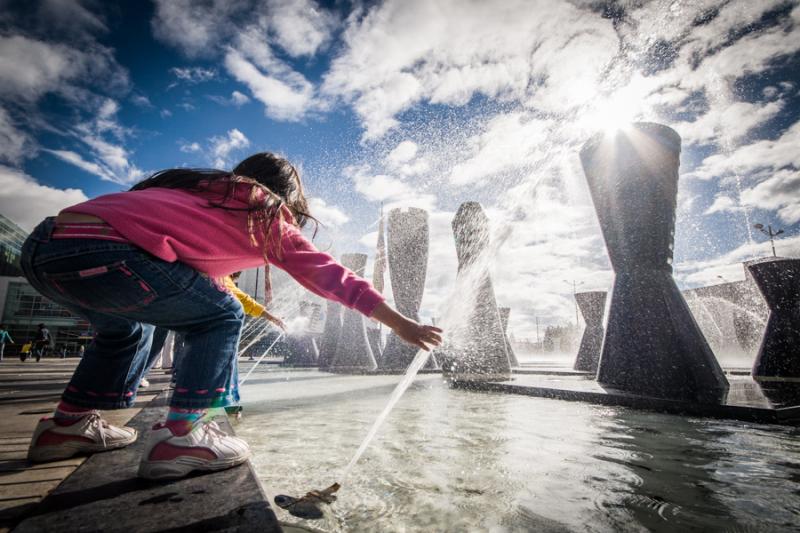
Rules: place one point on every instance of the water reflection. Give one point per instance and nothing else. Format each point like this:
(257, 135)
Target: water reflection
(450, 460)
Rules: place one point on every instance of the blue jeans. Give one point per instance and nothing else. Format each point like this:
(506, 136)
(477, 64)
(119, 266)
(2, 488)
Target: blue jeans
(124, 292)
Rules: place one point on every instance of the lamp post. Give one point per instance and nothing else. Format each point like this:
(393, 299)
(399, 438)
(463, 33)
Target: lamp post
(771, 234)
(575, 286)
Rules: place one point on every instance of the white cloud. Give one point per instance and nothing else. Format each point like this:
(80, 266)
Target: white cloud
(31, 68)
(236, 99)
(730, 121)
(27, 202)
(779, 192)
(329, 215)
(510, 143)
(401, 53)
(762, 154)
(194, 75)
(285, 94)
(729, 265)
(13, 142)
(196, 28)
(189, 148)
(722, 204)
(300, 27)
(402, 153)
(239, 99)
(221, 147)
(75, 159)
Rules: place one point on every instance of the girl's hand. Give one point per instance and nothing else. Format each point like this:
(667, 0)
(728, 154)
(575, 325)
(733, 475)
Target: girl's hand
(419, 335)
(275, 320)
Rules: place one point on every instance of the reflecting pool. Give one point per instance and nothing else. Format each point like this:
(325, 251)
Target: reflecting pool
(452, 460)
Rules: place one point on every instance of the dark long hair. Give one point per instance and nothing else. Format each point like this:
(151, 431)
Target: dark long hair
(265, 172)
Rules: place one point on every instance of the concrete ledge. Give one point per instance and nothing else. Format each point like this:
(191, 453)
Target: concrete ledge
(104, 494)
(746, 401)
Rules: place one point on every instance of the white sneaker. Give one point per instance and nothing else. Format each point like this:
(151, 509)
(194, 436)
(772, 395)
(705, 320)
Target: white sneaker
(143, 384)
(206, 447)
(53, 442)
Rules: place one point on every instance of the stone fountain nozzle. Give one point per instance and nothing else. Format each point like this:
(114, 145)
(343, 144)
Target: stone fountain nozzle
(309, 505)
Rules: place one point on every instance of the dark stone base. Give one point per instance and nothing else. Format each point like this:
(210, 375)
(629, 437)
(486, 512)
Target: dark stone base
(105, 494)
(379, 371)
(769, 403)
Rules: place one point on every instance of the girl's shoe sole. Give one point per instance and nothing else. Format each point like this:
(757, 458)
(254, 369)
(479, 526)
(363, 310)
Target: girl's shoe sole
(183, 466)
(44, 454)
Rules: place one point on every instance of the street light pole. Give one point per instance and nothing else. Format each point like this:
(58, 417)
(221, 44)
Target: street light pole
(574, 293)
(772, 234)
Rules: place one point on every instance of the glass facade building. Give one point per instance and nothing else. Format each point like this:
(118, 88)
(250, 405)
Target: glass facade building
(24, 309)
(11, 239)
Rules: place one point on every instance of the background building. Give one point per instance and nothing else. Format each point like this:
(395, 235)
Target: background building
(11, 239)
(23, 309)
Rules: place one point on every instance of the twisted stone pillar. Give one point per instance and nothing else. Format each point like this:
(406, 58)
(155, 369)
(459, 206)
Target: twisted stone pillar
(505, 312)
(353, 353)
(477, 351)
(407, 237)
(778, 279)
(652, 346)
(592, 304)
(330, 334)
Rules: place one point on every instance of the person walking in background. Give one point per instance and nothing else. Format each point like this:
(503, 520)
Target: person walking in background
(154, 257)
(4, 337)
(41, 342)
(81, 349)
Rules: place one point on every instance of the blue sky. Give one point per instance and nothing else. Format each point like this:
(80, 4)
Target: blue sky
(423, 103)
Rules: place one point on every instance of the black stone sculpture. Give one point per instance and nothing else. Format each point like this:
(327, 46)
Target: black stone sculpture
(652, 345)
(353, 353)
(592, 304)
(778, 279)
(407, 236)
(302, 350)
(505, 313)
(477, 351)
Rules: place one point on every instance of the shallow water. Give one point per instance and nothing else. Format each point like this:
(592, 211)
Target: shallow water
(452, 460)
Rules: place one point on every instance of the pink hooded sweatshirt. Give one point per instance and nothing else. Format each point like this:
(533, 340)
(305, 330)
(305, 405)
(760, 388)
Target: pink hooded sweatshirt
(180, 225)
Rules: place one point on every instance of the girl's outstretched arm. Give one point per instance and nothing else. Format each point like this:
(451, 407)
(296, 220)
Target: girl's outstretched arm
(321, 274)
(419, 335)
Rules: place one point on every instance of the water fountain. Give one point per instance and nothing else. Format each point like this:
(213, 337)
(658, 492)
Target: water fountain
(407, 235)
(779, 354)
(479, 351)
(592, 304)
(353, 352)
(505, 313)
(652, 344)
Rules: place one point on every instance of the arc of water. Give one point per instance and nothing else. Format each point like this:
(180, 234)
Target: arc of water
(418, 362)
(266, 352)
(266, 326)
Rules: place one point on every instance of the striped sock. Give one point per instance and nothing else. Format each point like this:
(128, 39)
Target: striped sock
(67, 413)
(181, 421)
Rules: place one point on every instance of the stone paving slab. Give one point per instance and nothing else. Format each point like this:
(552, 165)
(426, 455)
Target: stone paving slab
(105, 494)
(22, 484)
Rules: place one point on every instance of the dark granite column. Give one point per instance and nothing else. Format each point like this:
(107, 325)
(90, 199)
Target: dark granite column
(407, 236)
(477, 350)
(505, 312)
(652, 346)
(330, 335)
(353, 353)
(778, 279)
(592, 304)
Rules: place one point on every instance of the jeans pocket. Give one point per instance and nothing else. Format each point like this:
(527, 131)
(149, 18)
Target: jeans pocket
(115, 287)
